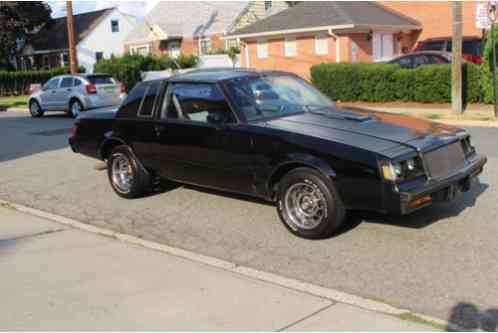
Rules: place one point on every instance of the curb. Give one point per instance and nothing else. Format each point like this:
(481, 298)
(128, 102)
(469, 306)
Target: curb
(294, 284)
(25, 110)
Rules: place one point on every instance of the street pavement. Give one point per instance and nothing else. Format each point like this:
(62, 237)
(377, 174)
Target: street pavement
(440, 261)
(58, 278)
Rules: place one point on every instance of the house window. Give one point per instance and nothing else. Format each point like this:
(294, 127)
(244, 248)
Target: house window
(115, 25)
(321, 45)
(140, 49)
(99, 56)
(262, 49)
(204, 46)
(231, 43)
(65, 59)
(46, 61)
(290, 47)
(174, 48)
(383, 46)
(268, 5)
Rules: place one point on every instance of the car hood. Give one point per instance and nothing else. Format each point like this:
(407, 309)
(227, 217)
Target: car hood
(376, 131)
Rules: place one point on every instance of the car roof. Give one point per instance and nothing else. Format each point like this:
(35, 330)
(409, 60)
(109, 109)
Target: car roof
(214, 75)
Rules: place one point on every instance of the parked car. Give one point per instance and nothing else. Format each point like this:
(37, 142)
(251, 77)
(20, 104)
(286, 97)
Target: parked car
(416, 59)
(75, 93)
(471, 47)
(299, 151)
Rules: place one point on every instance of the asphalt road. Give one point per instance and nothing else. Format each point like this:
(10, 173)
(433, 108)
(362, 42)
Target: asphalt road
(442, 261)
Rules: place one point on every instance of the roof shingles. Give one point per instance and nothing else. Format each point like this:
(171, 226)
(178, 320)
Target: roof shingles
(53, 36)
(309, 14)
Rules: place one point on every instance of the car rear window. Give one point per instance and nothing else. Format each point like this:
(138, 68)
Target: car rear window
(133, 101)
(100, 79)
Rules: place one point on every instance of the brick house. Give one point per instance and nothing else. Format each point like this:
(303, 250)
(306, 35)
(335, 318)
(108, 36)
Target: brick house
(313, 32)
(195, 27)
(99, 34)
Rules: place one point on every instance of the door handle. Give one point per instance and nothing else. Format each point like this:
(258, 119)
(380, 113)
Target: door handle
(68, 89)
(53, 91)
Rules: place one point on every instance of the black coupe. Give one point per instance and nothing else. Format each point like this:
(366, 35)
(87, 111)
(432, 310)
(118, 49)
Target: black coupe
(272, 135)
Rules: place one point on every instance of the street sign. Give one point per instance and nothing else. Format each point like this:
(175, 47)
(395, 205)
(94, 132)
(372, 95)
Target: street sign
(482, 18)
(492, 9)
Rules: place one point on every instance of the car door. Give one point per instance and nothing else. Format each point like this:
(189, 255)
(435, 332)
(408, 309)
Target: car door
(200, 140)
(63, 93)
(48, 94)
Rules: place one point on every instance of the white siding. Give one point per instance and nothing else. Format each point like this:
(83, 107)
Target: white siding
(102, 39)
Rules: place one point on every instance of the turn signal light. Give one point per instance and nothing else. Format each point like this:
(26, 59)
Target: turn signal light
(91, 89)
(420, 201)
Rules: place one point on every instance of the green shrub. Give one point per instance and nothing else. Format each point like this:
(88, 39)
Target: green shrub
(487, 68)
(386, 83)
(18, 82)
(127, 69)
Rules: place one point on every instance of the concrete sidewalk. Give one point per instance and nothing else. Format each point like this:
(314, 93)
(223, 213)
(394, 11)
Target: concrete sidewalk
(58, 278)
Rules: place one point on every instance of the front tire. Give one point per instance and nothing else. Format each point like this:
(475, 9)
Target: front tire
(35, 109)
(75, 108)
(127, 176)
(308, 204)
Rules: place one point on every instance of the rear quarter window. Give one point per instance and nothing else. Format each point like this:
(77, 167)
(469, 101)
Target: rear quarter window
(133, 101)
(149, 101)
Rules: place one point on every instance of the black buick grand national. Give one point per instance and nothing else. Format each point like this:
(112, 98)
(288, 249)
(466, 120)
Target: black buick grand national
(273, 136)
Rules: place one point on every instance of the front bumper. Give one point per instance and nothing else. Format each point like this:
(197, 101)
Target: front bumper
(407, 198)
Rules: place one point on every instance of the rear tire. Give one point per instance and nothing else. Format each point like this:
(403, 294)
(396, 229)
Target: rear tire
(75, 108)
(35, 109)
(308, 204)
(127, 176)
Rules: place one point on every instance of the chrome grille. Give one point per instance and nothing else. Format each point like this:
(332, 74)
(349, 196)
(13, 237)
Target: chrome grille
(445, 160)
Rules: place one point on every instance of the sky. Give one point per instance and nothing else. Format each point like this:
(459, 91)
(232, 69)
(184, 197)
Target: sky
(137, 8)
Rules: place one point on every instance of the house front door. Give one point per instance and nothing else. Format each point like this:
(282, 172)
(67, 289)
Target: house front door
(382, 46)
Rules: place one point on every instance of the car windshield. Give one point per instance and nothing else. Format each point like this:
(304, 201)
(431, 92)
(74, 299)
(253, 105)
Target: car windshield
(272, 96)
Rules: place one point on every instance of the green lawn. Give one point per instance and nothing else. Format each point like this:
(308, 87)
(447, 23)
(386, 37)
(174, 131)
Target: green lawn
(13, 102)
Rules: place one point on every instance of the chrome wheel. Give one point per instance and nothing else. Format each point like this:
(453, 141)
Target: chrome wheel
(305, 205)
(75, 109)
(122, 173)
(34, 108)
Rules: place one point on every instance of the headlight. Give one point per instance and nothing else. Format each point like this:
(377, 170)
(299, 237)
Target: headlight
(402, 170)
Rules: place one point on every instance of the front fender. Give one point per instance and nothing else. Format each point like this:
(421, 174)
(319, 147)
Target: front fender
(293, 161)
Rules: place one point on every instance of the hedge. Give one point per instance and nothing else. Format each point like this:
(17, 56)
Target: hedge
(18, 82)
(127, 69)
(386, 83)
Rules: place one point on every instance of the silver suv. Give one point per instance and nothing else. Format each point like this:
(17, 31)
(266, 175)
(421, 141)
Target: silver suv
(75, 93)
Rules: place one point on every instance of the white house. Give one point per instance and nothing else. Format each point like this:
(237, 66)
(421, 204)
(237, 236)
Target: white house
(98, 34)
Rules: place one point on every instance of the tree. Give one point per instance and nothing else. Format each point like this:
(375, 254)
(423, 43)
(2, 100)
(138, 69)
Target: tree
(17, 19)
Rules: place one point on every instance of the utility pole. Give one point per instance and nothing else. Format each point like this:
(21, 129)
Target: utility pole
(456, 63)
(73, 60)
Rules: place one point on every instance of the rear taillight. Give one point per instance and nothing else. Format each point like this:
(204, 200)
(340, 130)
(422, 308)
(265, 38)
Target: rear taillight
(91, 89)
(122, 88)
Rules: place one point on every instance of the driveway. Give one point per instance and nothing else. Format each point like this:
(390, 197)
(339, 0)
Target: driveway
(440, 261)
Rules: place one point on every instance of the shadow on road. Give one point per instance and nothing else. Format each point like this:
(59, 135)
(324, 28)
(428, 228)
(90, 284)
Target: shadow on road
(22, 135)
(468, 317)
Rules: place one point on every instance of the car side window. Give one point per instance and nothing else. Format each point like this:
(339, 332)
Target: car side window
(52, 84)
(133, 101)
(77, 82)
(149, 101)
(437, 60)
(67, 82)
(405, 62)
(196, 102)
(420, 60)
